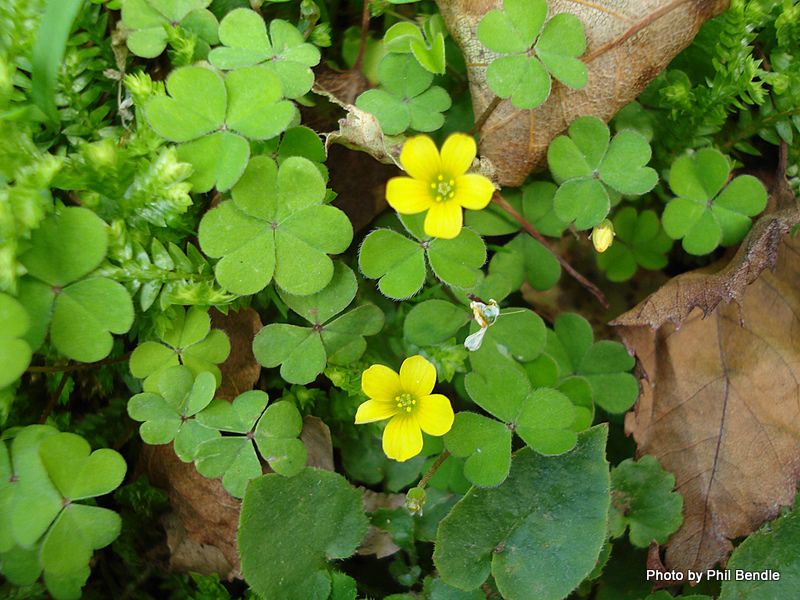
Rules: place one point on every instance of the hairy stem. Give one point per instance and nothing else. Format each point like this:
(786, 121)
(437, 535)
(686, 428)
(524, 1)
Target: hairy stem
(434, 467)
(78, 367)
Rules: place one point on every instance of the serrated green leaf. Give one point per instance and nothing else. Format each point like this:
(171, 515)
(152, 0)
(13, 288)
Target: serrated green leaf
(291, 562)
(539, 543)
(642, 499)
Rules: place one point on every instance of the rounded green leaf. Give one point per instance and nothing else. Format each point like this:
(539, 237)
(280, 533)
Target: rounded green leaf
(514, 29)
(518, 334)
(545, 422)
(521, 78)
(196, 105)
(276, 438)
(254, 106)
(231, 458)
(457, 261)
(76, 534)
(434, 322)
(85, 315)
(392, 113)
(561, 42)
(15, 353)
(239, 416)
(584, 201)
(320, 307)
(218, 159)
(244, 36)
(486, 446)
(623, 165)
(699, 176)
(547, 525)
(75, 472)
(311, 518)
(396, 260)
(66, 246)
(298, 350)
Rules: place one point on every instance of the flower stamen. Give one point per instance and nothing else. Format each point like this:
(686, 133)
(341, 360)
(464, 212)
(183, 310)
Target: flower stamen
(405, 401)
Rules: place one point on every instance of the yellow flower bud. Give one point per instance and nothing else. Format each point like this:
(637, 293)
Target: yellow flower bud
(603, 235)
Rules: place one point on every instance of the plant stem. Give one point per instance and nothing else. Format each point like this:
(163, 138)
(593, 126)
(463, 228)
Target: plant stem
(362, 42)
(54, 398)
(427, 477)
(592, 288)
(486, 114)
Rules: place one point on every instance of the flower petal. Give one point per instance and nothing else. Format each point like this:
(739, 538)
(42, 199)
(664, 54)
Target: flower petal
(375, 410)
(420, 158)
(402, 438)
(434, 414)
(458, 152)
(444, 220)
(408, 196)
(380, 383)
(473, 191)
(417, 376)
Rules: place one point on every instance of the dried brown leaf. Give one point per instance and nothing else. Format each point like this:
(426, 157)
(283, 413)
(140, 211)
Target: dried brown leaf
(241, 370)
(629, 43)
(721, 391)
(379, 541)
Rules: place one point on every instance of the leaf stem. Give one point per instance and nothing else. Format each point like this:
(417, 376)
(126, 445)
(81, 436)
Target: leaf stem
(362, 42)
(592, 288)
(434, 467)
(486, 114)
(54, 398)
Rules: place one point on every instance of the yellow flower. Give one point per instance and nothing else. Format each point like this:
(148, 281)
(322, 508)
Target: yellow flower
(603, 235)
(407, 402)
(439, 184)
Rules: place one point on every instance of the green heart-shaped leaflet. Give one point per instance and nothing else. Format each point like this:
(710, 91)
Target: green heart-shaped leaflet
(640, 241)
(216, 116)
(243, 34)
(605, 365)
(149, 20)
(165, 410)
(486, 446)
(190, 341)
(15, 352)
(303, 352)
(85, 312)
(277, 227)
(591, 168)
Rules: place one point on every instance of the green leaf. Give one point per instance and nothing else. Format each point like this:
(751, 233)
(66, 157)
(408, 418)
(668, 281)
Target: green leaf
(66, 246)
(165, 412)
(86, 313)
(591, 171)
(48, 52)
(320, 307)
(15, 352)
(561, 43)
(231, 458)
(245, 43)
(539, 533)
(312, 518)
(545, 422)
(275, 226)
(642, 499)
(36, 501)
(486, 446)
(704, 215)
(78, 531)
(151, 19)
(276, 438)
(521, 78)
(219, 159)
(75, 472)
(457, 261)
(189, 341)
(640, 241)
(397, 261)
(514, 29)
(239, 416)
(605, 364)
(774, 548)
(434, 322)
(518, 334)
(298, 350)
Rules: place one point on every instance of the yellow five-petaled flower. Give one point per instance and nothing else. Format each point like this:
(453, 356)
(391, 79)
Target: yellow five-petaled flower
(439, 183)
(407, 402)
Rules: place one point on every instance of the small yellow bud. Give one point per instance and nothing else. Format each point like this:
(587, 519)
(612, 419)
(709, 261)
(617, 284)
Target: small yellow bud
(603, 235)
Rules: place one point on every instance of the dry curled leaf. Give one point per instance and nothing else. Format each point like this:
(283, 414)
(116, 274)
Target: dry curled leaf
(379, 541)
(241, 370)
(629, 43)
(721, 392)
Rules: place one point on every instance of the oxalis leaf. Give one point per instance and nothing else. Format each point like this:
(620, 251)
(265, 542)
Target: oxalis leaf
(190, 341)
(539, 533)
(709, 211)
(166, 410)
(605, 365)
(213, 117)
(406, 98)
(303, 352)
(15, 352)
(290, 528)
(524, 75)
(85, 312)
(639, 241)
(591, 170)
(276, 227)
(542, 417)
(149, 21)
(246, 43)
(233, 458)
(642, 499)
(398, 262)
(405, 37)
